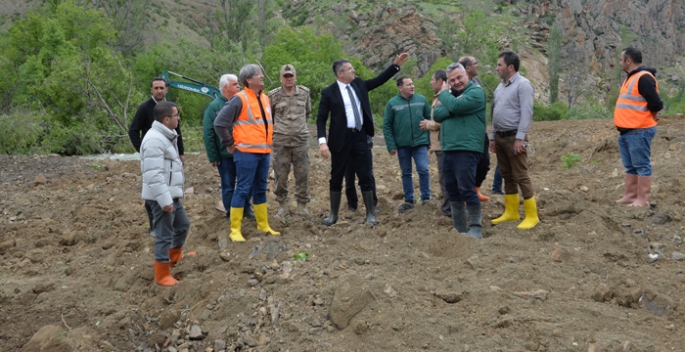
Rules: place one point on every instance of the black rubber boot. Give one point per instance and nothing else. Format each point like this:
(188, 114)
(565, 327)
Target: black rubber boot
(475, 221)
(335, 207)
(459, 216)
(368, 203)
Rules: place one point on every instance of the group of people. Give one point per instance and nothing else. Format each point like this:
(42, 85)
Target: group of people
(242, 128)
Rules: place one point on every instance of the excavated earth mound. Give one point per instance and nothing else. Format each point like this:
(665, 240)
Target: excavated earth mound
(76, 262)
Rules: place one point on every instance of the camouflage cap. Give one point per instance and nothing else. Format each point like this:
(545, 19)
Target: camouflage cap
(287, 69)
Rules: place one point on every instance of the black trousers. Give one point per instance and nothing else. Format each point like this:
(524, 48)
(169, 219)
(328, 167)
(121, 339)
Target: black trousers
(356, 153)
(351, 190)
(484, 164)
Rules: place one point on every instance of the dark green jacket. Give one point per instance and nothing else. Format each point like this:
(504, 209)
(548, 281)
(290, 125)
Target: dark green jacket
(215, 151)
(462, 119)
(401, 122)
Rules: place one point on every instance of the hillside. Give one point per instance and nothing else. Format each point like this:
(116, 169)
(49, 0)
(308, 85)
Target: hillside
(593, 32)
(76, 262)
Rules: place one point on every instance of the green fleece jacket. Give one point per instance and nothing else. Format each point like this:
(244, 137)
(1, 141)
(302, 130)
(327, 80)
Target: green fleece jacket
(215, 151)
(401, 122)
(462, 119)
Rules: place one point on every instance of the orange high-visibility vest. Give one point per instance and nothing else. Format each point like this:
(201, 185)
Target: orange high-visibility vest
(631, 107)
(252, 132)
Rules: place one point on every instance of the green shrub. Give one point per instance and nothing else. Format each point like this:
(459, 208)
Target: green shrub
(570, 160)
(23, 135)
(588, 110)
(541, 112)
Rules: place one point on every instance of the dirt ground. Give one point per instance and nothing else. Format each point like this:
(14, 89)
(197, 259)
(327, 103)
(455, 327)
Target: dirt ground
(76, 262)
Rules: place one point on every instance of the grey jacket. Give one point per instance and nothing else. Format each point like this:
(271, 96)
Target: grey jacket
(162, 168)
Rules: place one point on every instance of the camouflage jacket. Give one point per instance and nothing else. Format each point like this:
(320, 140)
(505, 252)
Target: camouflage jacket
(290, 114)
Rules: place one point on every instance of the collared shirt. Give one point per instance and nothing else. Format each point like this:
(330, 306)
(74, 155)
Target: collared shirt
(349, 112)
(512, 107)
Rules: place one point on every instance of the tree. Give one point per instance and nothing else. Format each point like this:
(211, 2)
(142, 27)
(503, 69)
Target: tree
(70, 73)
(129, 19)
(574, 56)
(554, 65)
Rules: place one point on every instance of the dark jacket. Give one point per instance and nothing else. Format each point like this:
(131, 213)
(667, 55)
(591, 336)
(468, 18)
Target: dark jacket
(142, 122)
(332, 103)
(647, 88)
(462, 119)
(215, 151)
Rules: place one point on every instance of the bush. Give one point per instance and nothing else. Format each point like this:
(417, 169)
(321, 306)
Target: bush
(588, 110)
(23, 136)
(552, 113)
(570, 160)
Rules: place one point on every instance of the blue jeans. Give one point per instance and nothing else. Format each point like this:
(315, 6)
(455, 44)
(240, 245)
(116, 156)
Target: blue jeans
(227, 172)
(252, 170)
(497, 181)
(420, 156)
(171, 229)
(459, 168)
(636, 147)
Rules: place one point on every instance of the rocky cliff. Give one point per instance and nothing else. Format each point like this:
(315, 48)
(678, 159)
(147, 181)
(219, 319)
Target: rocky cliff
(604, 27)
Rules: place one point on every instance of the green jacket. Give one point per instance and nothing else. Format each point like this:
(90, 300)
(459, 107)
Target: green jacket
(462, 119)
(215, 151)
(401, 122)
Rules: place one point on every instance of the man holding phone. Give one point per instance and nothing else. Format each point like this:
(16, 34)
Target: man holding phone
(512, 114)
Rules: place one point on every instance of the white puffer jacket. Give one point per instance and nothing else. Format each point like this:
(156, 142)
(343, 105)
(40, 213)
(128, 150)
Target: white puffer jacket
(162, 168)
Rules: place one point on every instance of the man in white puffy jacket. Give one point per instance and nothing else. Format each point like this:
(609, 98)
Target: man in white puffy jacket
(163, 190)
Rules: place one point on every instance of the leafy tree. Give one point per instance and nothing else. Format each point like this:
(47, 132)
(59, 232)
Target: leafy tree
(312, 56)
(65, 69)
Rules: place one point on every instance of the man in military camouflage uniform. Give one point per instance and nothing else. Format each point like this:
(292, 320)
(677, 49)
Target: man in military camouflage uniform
(290, 109)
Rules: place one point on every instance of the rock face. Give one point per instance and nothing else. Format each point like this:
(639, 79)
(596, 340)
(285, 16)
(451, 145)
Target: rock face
(391, 31)
(600, 28)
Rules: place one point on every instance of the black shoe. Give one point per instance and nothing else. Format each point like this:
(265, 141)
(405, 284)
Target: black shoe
(248, 214)
(405, 207)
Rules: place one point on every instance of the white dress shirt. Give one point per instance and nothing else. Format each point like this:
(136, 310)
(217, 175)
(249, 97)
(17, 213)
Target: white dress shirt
(349, 112)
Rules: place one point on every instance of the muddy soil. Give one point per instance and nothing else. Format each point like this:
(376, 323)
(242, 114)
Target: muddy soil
(76, 262)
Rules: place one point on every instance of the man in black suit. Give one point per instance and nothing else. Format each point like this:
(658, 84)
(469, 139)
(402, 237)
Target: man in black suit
(347, 102)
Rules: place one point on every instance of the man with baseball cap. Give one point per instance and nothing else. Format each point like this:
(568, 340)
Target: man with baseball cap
(290, 108)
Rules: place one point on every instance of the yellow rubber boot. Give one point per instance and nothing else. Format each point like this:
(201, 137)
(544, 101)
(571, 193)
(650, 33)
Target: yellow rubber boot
(511, 209)
(263, 219)
(236, 223)
(531, 218)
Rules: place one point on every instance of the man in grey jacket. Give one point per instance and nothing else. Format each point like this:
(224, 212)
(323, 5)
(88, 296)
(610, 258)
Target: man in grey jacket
(163, 182)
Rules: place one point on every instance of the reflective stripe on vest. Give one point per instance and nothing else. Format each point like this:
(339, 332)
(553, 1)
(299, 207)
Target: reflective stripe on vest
(249, 131)
(631, 107)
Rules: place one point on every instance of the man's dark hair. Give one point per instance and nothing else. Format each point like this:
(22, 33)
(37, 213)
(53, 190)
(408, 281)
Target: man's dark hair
(510, 58)
(633, 54)
(400, 81)
(166, 84)
(164, 109)
(338, 64)
(440, 74)
(466, 61)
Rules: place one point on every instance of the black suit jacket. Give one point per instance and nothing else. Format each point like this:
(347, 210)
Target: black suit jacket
(332, 102)
(142, 122)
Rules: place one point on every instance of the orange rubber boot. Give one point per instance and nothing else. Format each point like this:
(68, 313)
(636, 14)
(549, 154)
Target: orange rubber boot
(482, 197)
(176, 254)
(163, 274)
